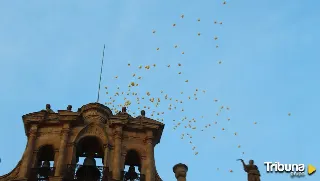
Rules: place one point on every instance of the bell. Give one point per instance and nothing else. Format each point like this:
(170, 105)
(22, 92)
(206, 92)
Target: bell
(89, 171)
(44, 171)
(46, 164)
(131, 175)
(89, 160)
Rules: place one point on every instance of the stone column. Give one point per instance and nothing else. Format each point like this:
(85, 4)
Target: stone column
(35, 159)
(116, 170)
(56, 156)
(73, 151)
(107, 148)
(62, 150)
(110, 155)
(106, 154)
(143, 168)
(106, 162)
(149, 166)
(27, 156)
(180, 170)
(123, 160)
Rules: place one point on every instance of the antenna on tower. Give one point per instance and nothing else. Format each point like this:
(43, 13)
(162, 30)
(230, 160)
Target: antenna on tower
(104, 46)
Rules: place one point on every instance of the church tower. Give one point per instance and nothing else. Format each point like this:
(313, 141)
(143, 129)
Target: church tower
(90, 144)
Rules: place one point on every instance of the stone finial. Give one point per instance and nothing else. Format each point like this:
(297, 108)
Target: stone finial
(48, 108)
(180, 171)
(69, 108)
(124, 109)
(143, 113)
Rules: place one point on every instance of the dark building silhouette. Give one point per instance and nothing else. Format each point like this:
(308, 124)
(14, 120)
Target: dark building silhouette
(121, 144)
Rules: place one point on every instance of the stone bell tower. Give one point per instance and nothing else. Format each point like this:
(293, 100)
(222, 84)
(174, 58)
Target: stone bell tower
(114, 147)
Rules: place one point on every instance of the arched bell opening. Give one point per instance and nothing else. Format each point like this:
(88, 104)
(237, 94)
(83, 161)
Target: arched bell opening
(90, 147)
(43, 167)
(132, 166)
(89, 156)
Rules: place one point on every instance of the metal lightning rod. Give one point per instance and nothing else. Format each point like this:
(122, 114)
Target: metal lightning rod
(104, 46)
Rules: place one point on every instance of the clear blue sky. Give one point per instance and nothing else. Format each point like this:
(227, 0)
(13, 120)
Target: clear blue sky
(50, 52)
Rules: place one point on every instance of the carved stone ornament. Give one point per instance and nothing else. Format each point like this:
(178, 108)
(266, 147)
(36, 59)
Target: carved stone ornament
(92, 130)
(180, 170)
(95, 113)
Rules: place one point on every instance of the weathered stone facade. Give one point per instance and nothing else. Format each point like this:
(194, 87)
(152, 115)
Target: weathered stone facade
(65, 136)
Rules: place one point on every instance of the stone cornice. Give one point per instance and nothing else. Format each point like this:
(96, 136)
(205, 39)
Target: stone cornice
(94, 112)
(117, 122)
(34, 117)
(148, 121)
(67, 116)
(144, 124)
(44, 117)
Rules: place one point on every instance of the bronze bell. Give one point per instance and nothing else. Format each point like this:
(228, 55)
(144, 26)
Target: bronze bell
(88, 171)
(89, 160)
(131, 175)
(46, 164)
(44, 171)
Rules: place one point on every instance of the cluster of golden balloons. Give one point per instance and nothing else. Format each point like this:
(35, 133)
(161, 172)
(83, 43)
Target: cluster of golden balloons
(131, 95)
(151, 101)
(215, 37)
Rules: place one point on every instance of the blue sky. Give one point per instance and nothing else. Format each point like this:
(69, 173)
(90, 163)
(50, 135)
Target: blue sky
(50, 52)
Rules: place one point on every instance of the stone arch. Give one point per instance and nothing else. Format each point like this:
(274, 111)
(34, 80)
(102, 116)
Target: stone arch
(46, 142)
(95, 130)
(44, 146)
(91, 130)
(45, 152)
(135, 148)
